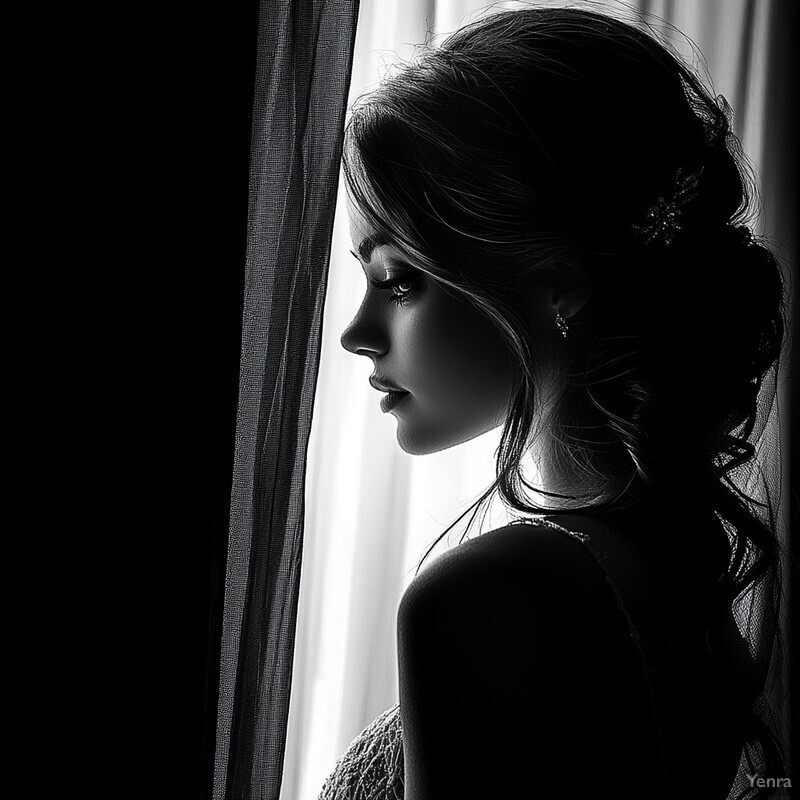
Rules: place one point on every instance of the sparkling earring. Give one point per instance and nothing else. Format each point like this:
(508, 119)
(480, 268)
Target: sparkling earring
(562, 324)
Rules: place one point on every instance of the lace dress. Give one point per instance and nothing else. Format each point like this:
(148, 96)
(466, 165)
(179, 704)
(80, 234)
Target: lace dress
(372, 766)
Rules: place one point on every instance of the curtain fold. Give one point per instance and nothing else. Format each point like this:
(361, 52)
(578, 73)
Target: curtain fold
(305, 50)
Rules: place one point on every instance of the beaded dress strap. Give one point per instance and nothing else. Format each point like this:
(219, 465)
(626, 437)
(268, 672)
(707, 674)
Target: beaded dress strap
(582, 537)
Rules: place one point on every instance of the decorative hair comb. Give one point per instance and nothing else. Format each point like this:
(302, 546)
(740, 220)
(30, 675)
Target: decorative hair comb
(743, 234)
(663, 218)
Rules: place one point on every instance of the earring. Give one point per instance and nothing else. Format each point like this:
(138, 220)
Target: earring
(562, 324)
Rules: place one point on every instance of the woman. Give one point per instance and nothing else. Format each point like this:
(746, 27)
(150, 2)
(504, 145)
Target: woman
(549, 210)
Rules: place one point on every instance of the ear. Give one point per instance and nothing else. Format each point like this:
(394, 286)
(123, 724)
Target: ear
(571, 289)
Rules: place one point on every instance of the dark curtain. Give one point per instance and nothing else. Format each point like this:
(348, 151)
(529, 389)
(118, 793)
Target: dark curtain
(302, 78)
(780, 175)
(779, 194)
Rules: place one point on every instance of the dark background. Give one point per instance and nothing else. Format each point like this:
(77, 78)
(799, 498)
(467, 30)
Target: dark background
(205, 99)
(224, 110)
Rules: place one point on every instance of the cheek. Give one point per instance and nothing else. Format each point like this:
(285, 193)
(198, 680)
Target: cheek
(464, 357)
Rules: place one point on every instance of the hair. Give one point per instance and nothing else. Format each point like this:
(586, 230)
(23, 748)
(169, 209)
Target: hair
(539, 138)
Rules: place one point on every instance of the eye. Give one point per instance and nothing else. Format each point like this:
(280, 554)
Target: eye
(402, 288)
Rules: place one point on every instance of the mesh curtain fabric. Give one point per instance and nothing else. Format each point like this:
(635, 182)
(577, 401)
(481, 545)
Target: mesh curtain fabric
(305, 52)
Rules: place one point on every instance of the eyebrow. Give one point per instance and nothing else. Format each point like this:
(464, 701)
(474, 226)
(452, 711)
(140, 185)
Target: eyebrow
(369, 244)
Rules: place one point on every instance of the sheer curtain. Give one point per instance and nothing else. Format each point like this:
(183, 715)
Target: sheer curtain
(372, 510)
(302, 74)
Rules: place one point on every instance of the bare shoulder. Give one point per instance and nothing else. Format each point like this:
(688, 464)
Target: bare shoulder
(596, 572)
(496, 638)
(517, 563)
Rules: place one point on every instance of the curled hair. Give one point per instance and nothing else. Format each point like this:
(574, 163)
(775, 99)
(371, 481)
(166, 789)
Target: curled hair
(538, 138)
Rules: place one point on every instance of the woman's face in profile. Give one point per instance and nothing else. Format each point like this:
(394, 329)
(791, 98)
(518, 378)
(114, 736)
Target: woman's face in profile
(452, 369)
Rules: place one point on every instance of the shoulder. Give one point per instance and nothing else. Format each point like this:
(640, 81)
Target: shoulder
(517, 562)
(517, 601)
(496, 639)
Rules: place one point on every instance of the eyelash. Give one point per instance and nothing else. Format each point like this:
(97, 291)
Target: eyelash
(403, 297)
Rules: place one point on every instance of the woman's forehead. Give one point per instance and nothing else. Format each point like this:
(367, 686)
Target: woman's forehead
(363, 233)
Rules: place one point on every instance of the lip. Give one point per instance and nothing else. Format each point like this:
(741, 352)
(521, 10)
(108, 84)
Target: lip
(391, 400)
(384, 386)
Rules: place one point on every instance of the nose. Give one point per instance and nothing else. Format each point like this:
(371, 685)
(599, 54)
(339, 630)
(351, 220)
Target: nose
(363, 336)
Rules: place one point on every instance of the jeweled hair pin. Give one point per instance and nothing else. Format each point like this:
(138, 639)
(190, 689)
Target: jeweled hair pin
(744, 235)
(664, 218)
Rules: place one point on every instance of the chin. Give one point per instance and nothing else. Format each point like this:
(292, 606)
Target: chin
(424, 442)
(419, 447)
